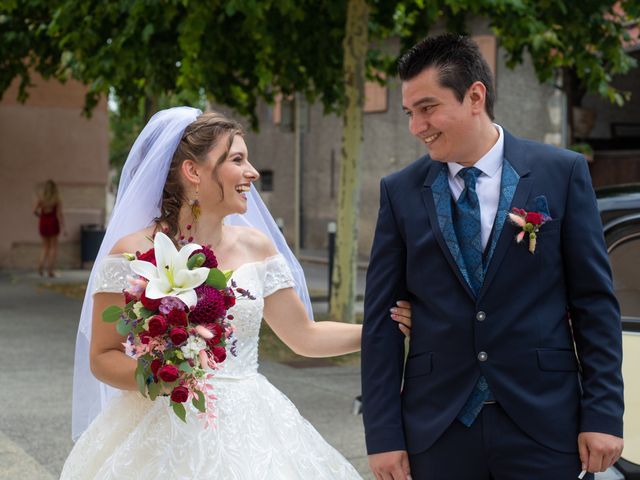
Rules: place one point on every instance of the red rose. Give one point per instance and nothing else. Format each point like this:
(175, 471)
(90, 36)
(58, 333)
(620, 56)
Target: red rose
(157, 325)
(217, 331)
(148, 256)
(155, 366)
(145, 337)
(229, 301)
(178, 335)
(219, 354)
(179, 394)
(534, 217)
(169, 373)
(177, 317)
(150, 303)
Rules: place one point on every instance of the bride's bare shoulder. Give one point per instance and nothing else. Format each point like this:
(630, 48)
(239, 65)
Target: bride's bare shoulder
(257, 245)
(139, 241)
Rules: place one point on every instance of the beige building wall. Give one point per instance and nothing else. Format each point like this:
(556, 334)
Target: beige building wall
(48, 138)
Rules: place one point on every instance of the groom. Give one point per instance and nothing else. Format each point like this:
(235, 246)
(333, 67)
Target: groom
(513, 372)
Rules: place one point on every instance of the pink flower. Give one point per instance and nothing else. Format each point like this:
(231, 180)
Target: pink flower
(519, 237)
(203, 332)
(517, 219)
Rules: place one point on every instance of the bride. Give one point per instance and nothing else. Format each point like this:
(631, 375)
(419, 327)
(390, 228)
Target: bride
(184, 157)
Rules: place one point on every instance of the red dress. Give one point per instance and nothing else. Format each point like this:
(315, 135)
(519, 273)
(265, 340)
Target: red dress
(49, 225)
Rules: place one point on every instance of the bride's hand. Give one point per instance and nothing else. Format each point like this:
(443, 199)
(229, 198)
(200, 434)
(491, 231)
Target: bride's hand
(401, 313)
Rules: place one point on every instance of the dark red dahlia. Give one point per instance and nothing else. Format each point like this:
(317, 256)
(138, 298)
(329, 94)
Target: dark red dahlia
(211, 261)
(210, 307)
(148, 256)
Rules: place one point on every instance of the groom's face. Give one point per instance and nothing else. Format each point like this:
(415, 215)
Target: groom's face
(438, 119)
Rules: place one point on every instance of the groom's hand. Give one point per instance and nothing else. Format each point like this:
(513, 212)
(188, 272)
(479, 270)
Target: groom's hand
(598, 451)
(390, 465)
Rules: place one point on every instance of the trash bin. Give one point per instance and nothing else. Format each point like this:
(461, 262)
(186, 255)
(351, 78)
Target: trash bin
(90, 239)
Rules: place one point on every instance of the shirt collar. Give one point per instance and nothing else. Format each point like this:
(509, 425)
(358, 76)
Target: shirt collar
(490, 162)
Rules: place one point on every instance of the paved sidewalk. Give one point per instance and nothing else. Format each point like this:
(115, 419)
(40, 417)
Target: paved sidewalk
(37, 338)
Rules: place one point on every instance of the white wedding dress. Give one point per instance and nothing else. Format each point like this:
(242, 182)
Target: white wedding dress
(258, 434)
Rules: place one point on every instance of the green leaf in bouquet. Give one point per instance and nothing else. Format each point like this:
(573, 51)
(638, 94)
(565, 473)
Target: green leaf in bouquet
(227, 275)
(141, 380)
(132, 315)
(146, 313)
(198, 401)
(179, 410)
(185, 367)
(111, 314)
(154, 389)
(216, 279)
(123, 327)
(196, 261)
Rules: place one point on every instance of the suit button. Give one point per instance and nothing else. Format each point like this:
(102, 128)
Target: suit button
(480, 316)
(482, 356)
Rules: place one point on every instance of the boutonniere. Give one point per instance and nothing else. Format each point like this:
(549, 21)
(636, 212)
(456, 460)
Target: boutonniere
(530, 222)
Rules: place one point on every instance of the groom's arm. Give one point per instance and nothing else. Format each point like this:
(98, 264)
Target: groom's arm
(595, 314)
(382, 342)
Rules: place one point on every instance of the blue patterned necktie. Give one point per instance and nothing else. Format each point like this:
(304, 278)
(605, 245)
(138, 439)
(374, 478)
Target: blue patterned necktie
(468, 231)
(467, 226)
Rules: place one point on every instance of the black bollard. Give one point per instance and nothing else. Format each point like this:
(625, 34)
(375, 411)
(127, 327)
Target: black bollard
(331, 232)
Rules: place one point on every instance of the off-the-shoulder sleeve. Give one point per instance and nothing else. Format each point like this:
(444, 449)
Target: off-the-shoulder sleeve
(277, 275)
(111, 276)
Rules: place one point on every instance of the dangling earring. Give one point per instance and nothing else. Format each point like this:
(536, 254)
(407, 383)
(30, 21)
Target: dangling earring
(195, 208)
(194, 205)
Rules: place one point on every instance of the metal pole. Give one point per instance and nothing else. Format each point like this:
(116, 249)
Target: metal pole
(331, 232)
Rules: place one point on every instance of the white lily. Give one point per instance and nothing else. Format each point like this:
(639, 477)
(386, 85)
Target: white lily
(171, 277)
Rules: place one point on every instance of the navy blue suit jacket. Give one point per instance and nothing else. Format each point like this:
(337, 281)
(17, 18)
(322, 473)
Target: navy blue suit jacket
(531, 363)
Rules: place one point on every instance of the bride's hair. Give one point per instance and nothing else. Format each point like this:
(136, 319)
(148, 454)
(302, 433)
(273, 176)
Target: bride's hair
(199, 138)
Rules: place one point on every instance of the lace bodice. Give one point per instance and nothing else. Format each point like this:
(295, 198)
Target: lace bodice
(261, 278)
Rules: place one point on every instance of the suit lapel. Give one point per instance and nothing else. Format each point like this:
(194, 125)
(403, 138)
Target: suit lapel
(515, 187)
(437, 198)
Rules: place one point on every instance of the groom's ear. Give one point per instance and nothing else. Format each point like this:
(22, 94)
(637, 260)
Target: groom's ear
(477, 94)
(190, 171)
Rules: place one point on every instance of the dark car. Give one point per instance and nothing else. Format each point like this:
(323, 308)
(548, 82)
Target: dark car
(620, 212)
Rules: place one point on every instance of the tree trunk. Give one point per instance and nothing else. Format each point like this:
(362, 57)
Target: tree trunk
(343, 278)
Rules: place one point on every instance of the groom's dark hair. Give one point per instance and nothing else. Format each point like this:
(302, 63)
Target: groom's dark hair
(458, 61)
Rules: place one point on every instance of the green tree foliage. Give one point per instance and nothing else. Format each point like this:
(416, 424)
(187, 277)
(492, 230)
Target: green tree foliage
(235, 52)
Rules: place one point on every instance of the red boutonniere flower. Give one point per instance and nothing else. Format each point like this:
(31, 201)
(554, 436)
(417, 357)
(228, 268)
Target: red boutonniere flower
(530, 222)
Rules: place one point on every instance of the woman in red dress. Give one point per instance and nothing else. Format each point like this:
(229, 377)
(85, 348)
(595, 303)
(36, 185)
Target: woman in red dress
(49, 210)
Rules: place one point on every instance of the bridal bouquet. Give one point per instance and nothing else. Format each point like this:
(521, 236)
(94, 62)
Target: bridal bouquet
(176, 323)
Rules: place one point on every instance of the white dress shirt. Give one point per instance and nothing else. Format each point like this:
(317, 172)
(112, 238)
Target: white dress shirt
(487, 185)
